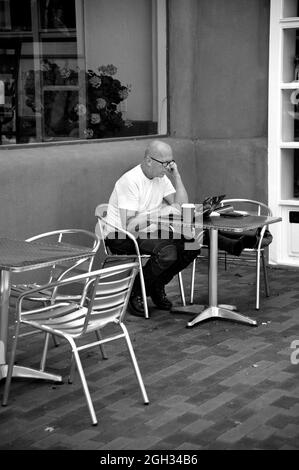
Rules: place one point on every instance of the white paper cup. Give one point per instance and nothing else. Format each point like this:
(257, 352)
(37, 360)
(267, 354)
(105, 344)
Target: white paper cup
(188, 212)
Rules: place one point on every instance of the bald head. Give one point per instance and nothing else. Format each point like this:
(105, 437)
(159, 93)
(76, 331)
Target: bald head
(158, 149)
(156, 155)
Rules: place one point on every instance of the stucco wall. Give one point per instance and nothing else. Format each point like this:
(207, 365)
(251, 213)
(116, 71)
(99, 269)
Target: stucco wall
(234, 167)
(219, 90)
(134, 31)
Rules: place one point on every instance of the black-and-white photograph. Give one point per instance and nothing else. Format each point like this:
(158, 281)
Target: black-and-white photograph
(149, 243)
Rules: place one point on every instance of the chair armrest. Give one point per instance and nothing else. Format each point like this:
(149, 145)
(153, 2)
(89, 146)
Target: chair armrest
(89, 277)
(54, 286)
(121, 230)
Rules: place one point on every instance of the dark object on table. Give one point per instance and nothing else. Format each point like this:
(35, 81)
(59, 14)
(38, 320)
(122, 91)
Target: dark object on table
(232, 214)
(211, 204)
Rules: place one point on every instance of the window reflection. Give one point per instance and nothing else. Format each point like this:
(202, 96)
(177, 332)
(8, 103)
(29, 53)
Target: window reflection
(63, 81)
(15, 15)
(57, 14)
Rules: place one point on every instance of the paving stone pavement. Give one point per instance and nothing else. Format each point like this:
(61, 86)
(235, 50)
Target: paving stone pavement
(219, 385)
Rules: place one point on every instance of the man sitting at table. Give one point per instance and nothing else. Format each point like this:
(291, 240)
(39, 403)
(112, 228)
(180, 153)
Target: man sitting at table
(147, 190)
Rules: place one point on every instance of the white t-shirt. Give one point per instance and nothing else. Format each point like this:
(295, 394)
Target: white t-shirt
(135, 192)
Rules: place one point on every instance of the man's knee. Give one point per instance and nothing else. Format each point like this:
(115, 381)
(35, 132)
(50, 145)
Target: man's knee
(166, 256)
(187, 256)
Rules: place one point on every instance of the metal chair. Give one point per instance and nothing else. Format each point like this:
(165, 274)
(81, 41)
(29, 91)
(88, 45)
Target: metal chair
(78, 237)
(109, 256)
(103, 301)
(254, 255)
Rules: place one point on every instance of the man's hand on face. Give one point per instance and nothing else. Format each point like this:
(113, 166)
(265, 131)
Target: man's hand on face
(173, 168)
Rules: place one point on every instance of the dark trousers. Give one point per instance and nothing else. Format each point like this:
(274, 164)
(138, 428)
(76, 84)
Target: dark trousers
(167, 257)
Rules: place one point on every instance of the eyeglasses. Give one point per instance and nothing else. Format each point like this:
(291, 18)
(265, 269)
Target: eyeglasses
(164, 164)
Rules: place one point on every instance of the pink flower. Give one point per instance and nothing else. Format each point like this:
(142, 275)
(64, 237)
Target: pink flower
(95, 118)
(65, 72)
(123, 94)
(80, 109)
(95, 81)
(109, 69)
(101, 103)
(88, 133)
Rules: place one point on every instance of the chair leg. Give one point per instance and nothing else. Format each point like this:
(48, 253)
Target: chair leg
(258, 268)
(142, 283)
(192, 281)
(55, 341)
(102, 348)
(45, 350)
(143, 290)
(182, 289)
(135, 364)
(265, 275)
(83, 381)
(54, 338)
(71, 376)
(10, 366)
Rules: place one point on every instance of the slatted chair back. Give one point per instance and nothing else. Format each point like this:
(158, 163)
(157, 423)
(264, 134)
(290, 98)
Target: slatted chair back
(109, 295)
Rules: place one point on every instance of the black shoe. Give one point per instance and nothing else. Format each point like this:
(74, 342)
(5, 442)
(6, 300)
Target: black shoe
(159, 298)
(136, 305)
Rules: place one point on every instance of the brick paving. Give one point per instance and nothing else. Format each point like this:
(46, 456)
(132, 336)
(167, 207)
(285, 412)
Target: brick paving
(219, 385)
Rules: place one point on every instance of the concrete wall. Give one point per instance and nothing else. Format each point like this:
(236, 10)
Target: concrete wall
(219, 89)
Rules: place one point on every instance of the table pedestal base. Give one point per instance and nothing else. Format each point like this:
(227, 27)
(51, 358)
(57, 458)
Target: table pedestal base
(27, 372)
(194, 309)
(227, 313)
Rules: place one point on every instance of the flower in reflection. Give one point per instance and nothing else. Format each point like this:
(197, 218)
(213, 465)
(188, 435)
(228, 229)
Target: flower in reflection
(95, 118)
(104, 94)
(123, 94)
(65, 72)
(88, 133)
(95, 81)
(109, 69)
(101, 103)
(64, 105)
(80, 109)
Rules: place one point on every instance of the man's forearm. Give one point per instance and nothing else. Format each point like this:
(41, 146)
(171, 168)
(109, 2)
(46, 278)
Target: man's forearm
(145, 219)
(142, 220)
(181, 195)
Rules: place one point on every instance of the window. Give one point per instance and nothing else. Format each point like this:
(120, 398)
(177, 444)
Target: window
(82, 69)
